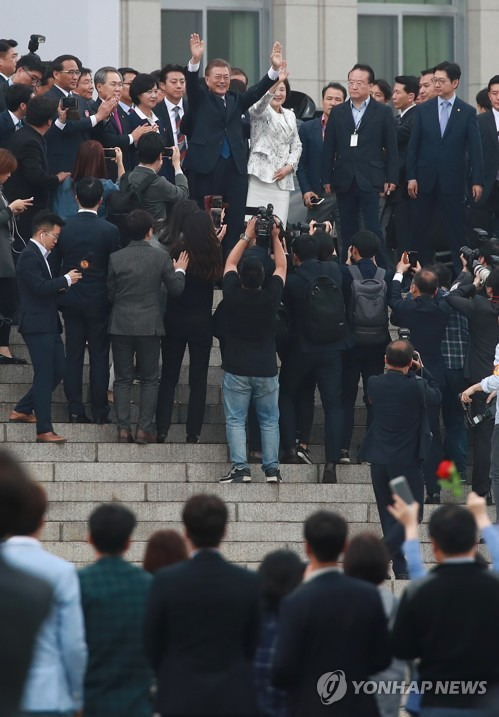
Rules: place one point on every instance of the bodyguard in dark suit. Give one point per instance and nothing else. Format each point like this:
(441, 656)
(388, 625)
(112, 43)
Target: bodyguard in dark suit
(217, 155)
(444, 139)
(11, 119)
(359, 159)
(40, 326)
(332, 631)
(395, 444)
(172, 110)
(210, 674)
(488, 124)
(85, 244)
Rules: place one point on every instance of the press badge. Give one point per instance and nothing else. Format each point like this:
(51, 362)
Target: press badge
(354, 139)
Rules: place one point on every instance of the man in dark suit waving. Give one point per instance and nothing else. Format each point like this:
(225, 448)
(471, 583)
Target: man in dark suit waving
(40, 326)
(444, 136)
(359, 159)
(217, 155)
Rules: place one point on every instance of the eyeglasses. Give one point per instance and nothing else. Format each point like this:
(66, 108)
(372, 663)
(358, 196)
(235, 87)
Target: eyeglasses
(54, 236)
(439, 80)
(35, 81)
(357, 83)
(73, 73)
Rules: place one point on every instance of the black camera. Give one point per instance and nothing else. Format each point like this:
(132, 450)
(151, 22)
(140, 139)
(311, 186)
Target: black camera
(264, 225)
(470, 255)
(404, 334)
(320, 226)
(34, 42)
(69, 103)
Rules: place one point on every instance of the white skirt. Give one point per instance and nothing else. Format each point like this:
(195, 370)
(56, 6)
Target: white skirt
(262, 193)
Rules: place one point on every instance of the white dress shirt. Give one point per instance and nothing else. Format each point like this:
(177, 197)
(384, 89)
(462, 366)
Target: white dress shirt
(45, 254)
(61, 125)
(172, 115)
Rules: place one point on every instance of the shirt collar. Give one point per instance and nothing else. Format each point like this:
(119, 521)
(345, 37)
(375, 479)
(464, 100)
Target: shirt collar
(14, 119)
(451, 100)
(363, 105)
(407, 110)
(170, 106)
(124, 107)
(44, 251)
(321, 571)
(4, 76)
(496, 114)
(140, 114)
(64, 92)
(24, 540)
(87, 211)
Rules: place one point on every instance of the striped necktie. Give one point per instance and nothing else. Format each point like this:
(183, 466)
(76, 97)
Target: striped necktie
(181, 142)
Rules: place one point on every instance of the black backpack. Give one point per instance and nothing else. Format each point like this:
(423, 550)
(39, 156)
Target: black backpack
(368, 310)
(324, 309)
(119, 204)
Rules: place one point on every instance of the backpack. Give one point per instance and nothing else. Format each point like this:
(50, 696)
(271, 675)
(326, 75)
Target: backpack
(119, 204)
(324, 309)
(368, 310)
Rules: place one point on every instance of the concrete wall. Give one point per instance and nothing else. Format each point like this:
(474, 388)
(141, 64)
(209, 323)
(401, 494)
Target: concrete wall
(141, 34)
(483, 53)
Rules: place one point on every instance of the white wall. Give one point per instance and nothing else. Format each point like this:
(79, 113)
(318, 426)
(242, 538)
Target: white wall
(90, 29)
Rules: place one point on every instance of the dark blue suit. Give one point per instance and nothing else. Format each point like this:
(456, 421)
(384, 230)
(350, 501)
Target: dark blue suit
(63, 145)
(135, 121)
(40, 327)
(85, 308)
(161, 111)
(439, 165)
(7, 128)
(109, 134)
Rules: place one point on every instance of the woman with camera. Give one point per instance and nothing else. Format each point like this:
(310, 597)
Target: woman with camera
(275, 150)
(188, 322)
(90, 162)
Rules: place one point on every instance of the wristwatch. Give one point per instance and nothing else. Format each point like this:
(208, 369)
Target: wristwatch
(245, 238)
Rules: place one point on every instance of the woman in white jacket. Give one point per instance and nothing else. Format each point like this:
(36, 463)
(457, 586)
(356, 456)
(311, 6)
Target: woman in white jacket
(275, 150)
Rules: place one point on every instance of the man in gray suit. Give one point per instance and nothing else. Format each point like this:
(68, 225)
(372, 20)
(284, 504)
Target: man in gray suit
(136, 325)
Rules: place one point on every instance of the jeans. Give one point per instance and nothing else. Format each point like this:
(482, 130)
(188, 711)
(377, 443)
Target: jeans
(238, 391)
(494, 467)
(456, 439)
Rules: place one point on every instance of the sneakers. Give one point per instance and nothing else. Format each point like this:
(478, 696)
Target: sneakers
(273, 475)
(303, 454)
(345, 457)
(237, 475)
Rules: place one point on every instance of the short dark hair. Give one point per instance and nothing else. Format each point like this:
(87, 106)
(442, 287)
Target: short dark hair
(364, 68)
(149, 147)
(281, 571)
(30, 62)
(489, 249)
(58, 62)
(127, 71)
(483, 100)
(164, 547)
(334, 86)
(238, 71)
(493, 81)
(137, 224)
(40, 110)
(6, 45)
(35, 507)
(143, 82)
(237, 85)
(305, 247)
(89, 192)
(85, 71)
(326, 533)
(385, 88)
(366, 243)
(493, 281)
(426, 280)
(428, 71)
(205, 518)
(451, 69)
(110, 527)
(410, 84)
(325, 245)
(45, 219)
(251, 273)
(399, 353)
(217, 62)
(16, 95)
(444, 274)
(14, 492)
(367, 558)
(163, 73)
(453, 529)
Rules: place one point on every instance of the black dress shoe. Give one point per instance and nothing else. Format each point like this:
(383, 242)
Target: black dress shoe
(12, 360)
(191, 438)
(79, 418)
(433, 499)
(401, 576)
(161, 437)
(102, 421)
(329, 474)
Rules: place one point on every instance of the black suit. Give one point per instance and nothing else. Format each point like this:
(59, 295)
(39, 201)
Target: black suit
(32, 177)
(331, 622)
(399, 200)
(40, 327)
(393, 444)
(135, 121)
(212, 122)
(109, 134)
(161, 111)
(439, 165)
(63, 145)
(85, 308)
(4, 86)
(7, 128)
(201, 633)
(489, 201)
(358, 174)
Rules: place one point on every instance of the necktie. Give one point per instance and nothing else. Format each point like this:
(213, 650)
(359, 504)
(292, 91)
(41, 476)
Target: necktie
(225, 151)
(116, 118)
(181, 143)
(444, 116)
(398, 120)
(19, 125)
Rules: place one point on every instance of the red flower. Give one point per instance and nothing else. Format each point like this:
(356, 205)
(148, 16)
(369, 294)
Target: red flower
(445, 469)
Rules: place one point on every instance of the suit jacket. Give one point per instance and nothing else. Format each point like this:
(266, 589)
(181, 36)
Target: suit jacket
(63, 145)
(436, 161)
(373, 162)
(32, 177)
(161, 111)
(4, 86)
(109, 134)
(135, 121)
(309, 167)
(210, 121)
(331, 622)
(7, 128)
(37, 293)
(134, 288)
(201, 633)
(394, 434)
(114, 595)
(7, 268)
(85, 236)
(404, 130)
(25, 602)
(490, 147)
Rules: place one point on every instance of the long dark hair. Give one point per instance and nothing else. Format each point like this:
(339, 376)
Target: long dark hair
(172, 229)
(90, 161)
(200, 241)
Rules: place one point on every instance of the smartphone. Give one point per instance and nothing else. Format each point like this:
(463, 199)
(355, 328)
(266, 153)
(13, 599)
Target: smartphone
(167, 152)
(416, 356)
(109, 153)
(69, 103)
(399, 486)
(413, 258)
(316, 201)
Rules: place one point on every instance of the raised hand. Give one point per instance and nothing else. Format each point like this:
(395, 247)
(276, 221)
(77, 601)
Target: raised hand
(197, 48)
(283, 72)
(276, 56)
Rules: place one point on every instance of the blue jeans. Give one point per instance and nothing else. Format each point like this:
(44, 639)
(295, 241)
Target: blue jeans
(238, 391)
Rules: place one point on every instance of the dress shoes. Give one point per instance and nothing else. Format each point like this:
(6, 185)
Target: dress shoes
(329, 474)
(432, 499)
(79, 418)
(161, 437)
(142, 437)
(124, 436)
(102, 421)
(12, 360)
(18, 417)
(50, 437)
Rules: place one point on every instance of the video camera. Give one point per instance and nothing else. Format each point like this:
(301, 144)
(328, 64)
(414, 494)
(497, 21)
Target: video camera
(265, 221)
(475, 266)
